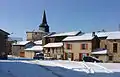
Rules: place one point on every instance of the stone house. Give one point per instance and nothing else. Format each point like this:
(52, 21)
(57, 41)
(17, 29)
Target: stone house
(113, 46)
(53, 45)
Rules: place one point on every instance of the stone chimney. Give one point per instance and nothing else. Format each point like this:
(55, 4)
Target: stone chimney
(93, 34)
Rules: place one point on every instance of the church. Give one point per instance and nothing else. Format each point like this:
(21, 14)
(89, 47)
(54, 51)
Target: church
(38, 34)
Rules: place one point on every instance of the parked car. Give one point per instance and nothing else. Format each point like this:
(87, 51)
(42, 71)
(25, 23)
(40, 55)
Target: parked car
(39, 56)
(91, 59)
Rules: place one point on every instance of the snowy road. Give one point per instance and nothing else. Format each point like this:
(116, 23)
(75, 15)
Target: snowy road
(56, 68)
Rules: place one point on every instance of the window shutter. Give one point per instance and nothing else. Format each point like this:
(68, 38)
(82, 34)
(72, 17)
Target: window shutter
(80, 46)
(86, 46)
(71, 46)
(87, 54)
(80, 56)
(66, 46)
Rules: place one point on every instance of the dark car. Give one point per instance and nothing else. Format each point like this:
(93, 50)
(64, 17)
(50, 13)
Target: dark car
(39, 56)
(91, 59)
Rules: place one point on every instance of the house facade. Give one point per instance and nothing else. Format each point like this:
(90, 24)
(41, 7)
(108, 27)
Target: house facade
(34, 50)
(113, 46)
(18, 48)
(3, 44)
(54, 47)
(76, 47)
(10, 41)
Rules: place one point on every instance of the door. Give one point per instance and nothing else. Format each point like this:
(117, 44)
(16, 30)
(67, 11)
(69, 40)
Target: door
(22, 54)
(80, 56)
(65, 56)
(72, 56)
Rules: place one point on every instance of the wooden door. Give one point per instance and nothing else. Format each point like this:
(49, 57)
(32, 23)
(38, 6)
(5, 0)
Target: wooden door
(80, 56)
(22, 54)
(65, 56)
(72, 56)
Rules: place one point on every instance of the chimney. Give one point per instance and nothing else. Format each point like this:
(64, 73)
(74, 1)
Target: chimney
(93, 34)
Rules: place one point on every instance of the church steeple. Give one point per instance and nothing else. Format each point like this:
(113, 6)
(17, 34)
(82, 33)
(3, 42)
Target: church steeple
(44, 21)
(44, 26)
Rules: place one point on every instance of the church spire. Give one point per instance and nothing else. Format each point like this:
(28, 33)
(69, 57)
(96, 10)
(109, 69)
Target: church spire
(44, 26)
(44, 21)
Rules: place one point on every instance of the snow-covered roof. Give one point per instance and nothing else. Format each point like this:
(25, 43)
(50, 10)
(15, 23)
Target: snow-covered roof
(39, 42)
(35, 48)
(87, 36)
(21, 43)
(14, 39)
(59, 44)
(114, 35)
(65, 34)
(100, 52)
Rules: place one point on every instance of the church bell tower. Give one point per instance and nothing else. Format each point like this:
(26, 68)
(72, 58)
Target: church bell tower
(44, 26)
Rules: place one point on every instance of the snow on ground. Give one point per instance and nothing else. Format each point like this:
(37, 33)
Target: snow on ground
(112, 66)
(55, 68)
(20, 69)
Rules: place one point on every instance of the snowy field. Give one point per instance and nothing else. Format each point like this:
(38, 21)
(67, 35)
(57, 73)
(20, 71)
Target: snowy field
(56, 68)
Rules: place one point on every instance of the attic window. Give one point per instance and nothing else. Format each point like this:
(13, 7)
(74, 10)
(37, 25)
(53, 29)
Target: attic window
(35, 32)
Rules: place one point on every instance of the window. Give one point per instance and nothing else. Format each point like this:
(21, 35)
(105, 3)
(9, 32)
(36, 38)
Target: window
(48, 49)
(53, 50)
(105, 46)
(35, 33)
(84, 46)
(110, 57)
(115, 47)
(68, 46)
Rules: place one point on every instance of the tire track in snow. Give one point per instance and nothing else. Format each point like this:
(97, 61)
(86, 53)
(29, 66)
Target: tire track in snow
(54, 73)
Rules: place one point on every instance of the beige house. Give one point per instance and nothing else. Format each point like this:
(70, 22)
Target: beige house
(54, 50)
(76, 47)
(32, 51)
(18, 47)
(105, 46)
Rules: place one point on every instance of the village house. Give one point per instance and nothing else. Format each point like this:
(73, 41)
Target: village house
(113, 46)
(34, 50)
(3, 44)
(108, 45)
(54, 47)
(18, 48)
(10, 41)
(76, 47)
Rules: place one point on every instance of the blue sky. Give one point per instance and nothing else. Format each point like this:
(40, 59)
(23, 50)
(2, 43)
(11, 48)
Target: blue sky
(19, 16)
